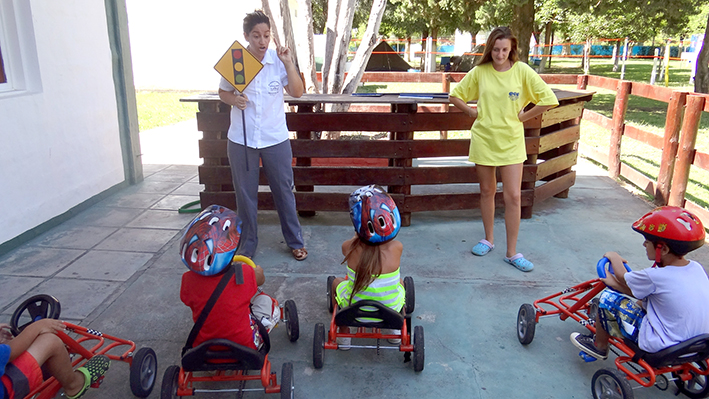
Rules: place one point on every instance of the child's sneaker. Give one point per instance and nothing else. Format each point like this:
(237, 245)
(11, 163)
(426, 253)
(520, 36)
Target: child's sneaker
(586, 344)
(343, 343)
(395, 341)
(92, 370)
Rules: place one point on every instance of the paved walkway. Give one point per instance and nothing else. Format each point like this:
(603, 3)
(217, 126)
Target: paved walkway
(115, 267)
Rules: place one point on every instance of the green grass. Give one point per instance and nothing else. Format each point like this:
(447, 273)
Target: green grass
(162, 108)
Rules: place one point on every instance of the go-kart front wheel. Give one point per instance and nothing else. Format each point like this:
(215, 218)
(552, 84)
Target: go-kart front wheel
(170, 383)
(287, 386)
(526, 323)
(698, 386)
(319, 346)
(418, 349)
(610, 384)
(143, 370)
(292, 324)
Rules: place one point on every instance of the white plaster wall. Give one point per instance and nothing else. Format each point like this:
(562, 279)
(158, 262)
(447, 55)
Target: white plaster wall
(60, 145)
(176, 43)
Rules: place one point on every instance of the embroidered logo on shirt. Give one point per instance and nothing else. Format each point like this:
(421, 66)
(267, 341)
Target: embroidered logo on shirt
(514, 96)
(273, 87)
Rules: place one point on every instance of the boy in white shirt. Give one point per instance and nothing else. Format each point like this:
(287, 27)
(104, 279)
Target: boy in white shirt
(673, 295)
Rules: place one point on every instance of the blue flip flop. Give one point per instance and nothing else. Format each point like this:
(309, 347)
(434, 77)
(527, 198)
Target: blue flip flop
(482, 248)
(520, 263)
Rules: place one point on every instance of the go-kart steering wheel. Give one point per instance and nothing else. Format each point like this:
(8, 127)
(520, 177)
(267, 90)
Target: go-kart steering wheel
(605, 264)
(242, 258)
(37, 307)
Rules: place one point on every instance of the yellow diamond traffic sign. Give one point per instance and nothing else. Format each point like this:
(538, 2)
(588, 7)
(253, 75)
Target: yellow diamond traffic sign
(238, 66)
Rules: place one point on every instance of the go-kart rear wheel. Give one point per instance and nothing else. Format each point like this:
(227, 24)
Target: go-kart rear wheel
(35, 308)
(698, 386)
(287, 387)
(526, 323)
(143, 370)
(330, 302)
(610, 384)
(170, 383)
(419, 358)
(319, 346)
(292, 325)
(410, 294)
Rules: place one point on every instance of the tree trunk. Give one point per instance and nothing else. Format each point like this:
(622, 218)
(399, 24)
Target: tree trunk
(701, 77)
(547, 46)
(336, 71)
(522, 25)
(282, 28)
(408, 49)
(364, 51)
(333, 10)
(306, 47)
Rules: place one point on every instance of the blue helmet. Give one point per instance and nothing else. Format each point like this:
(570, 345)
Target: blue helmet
(210, 240)
(374, 214)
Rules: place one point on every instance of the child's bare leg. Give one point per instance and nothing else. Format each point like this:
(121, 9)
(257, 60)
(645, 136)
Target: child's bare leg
(48, 349)
(333, 290)
(602, 336)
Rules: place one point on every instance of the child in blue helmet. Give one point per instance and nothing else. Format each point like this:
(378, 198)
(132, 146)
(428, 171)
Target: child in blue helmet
(207, 248)
(372, 255)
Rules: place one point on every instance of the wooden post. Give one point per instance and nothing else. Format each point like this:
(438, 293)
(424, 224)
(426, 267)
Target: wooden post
(625, 57)
(587, 57)
(685, 155)
(304, 135)
(446, 86)
(403, 162)
(581, 82)
(673, 123)
(618, 126)
(654, 66)
(667, 64)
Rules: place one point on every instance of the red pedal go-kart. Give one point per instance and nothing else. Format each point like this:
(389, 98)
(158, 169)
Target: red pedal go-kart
(221, 360)
(82, 344)
(686, 362)
(388, 319)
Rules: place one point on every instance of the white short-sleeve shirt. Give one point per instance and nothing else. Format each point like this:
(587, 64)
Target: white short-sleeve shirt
(676, 299)
(265, 114)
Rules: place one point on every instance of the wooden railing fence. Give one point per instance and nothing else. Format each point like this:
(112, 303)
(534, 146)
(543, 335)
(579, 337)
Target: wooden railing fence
(684, 111)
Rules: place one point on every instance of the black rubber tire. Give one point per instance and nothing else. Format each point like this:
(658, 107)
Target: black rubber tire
(526, 323)
(330, 301)
(292, 325)
(287, 387)
(319, 346)
(170, 383)
(410, 294)
(697, 387)
(419, 348)
(143, 372)
(41, 306)
(609, 383)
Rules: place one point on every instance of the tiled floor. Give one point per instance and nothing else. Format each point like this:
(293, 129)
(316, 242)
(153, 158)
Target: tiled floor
(103, 246)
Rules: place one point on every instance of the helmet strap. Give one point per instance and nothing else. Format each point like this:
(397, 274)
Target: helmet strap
(658, 255)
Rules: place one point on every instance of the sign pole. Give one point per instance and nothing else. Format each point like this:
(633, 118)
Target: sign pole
(239, 67)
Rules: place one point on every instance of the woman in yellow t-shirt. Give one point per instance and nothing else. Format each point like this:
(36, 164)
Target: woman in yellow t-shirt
(502, 87)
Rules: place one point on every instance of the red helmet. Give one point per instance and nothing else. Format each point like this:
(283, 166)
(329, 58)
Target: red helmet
(679, 229)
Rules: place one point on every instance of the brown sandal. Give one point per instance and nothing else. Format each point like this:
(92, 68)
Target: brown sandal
(300, 253)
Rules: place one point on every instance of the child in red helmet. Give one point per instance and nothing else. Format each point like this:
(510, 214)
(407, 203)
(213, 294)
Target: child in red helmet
(673, 295)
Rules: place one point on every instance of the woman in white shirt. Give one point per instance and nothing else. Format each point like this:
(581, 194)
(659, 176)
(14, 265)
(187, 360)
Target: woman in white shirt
(266, 133)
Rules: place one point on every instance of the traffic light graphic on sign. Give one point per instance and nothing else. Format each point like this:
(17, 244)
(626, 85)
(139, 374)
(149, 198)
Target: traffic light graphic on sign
(237, 57)
(238, 66)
